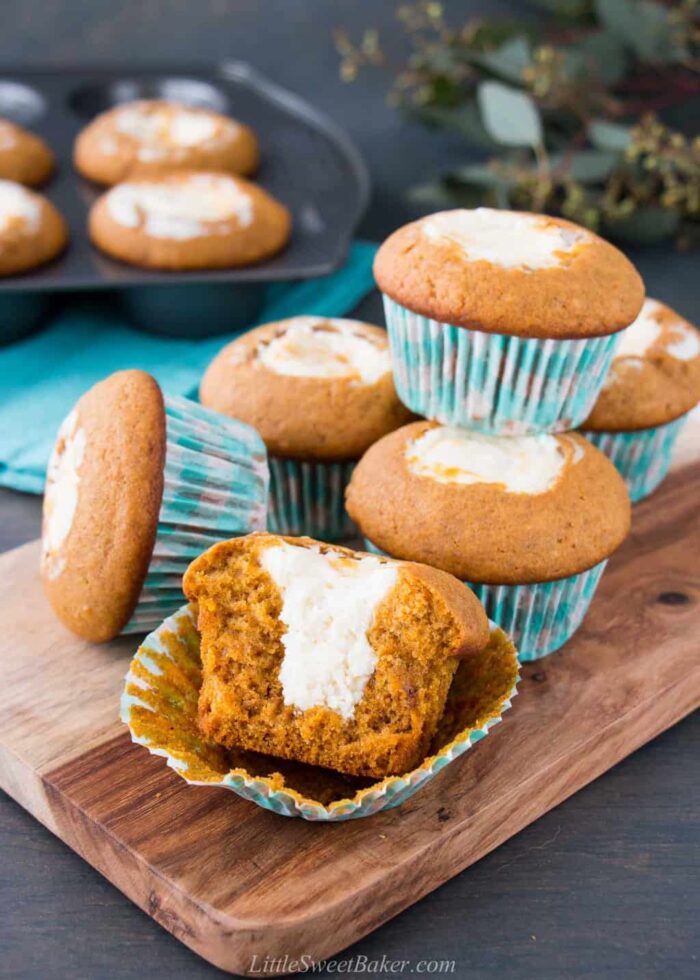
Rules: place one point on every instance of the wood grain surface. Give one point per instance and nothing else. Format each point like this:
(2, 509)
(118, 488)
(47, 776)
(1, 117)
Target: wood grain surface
(231, 880)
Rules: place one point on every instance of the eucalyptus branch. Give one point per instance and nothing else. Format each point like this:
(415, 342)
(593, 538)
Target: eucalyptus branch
(563, 110)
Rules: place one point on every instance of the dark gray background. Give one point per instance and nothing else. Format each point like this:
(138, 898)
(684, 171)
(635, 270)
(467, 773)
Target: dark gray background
(605, 886)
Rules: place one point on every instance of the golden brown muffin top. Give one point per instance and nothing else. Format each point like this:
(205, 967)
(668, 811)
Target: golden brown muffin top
(654, 376)
(510, 272)
(189, 220)
(103, 494)
(497, 510)
(313, 387)
(31, 229)
(24, 156)
(150, 137)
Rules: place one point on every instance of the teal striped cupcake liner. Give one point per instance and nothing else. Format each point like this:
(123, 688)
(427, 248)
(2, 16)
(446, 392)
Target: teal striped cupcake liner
(215, 487)
(539, 617)
(308, 498)
(159, 706)
(642, 458)
(493, 383)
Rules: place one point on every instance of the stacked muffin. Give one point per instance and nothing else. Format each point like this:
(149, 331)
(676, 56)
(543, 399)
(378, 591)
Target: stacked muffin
(502, 328)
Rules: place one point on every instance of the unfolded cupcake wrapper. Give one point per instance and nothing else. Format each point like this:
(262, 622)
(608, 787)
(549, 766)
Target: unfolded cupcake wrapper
(308, 498)
(539, 617)
(159, 706)
(215, 487)
(642, 458)
(493, 383)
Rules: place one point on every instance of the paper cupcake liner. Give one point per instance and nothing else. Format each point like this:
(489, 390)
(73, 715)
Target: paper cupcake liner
(309, 498)
(159, 706)
(542, 616)
(642, 458)
(493, 383)
(215, 487)
(539, 617)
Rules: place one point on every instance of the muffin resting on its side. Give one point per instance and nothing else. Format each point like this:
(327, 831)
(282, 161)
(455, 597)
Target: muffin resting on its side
(325, 655)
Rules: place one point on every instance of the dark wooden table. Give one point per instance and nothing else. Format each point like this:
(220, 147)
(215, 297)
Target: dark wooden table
(605, 886)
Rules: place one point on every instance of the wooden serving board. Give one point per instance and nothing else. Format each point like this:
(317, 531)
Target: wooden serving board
(233, 881)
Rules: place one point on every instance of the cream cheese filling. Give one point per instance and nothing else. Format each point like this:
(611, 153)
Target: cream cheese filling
(186, 208)
(329, 603)
(61, 492)
(18, 208)
(506, 238)
(314, 347)
(517, 464)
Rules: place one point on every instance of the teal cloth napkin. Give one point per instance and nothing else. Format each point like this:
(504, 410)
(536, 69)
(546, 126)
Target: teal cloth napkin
(45, 374)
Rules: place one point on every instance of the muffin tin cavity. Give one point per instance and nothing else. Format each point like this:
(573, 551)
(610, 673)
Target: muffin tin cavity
(89, 100)
(193, 309)
(20, 103)
(22, 314)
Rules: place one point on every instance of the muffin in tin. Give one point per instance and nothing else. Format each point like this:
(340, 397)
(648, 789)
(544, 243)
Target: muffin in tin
(503, 322)
(189, 220)
(320, 392)
(32, 232)
(528, 521)
(654, 381)
(24, 157)
(138, 485)
(150, 137)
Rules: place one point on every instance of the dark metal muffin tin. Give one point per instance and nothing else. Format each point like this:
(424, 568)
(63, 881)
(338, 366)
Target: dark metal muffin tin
(307, 162)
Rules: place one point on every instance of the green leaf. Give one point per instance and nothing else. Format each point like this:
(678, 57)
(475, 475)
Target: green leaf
(509, 61)
(588, 166)
(481, 175)
(611, 136)
(604, 53)
(510, 117)
(644, 26)
(644, 226)
(464, 119)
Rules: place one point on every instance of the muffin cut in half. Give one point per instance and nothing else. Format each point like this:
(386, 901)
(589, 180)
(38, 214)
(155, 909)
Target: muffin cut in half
(326, 655)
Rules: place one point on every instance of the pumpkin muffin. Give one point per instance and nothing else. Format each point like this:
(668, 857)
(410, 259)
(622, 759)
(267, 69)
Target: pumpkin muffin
(32, 232)
(24, 156)
(325, 655)
(501, 321)
(320, 392)
(189, 221)
(151, 137)
(528, 522)
(137, 485)
(654, 381)
(482, 688)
